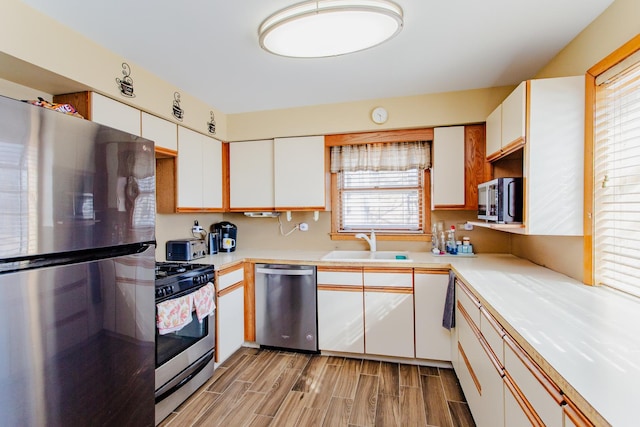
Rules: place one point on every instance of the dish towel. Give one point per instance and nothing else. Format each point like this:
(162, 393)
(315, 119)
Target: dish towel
(204, 301)
(174, 314)
(448, 317)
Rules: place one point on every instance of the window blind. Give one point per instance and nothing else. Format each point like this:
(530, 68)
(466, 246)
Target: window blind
(381, 200)
(617, 178)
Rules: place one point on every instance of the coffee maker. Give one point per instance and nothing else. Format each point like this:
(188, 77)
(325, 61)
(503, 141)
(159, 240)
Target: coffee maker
(227, 236)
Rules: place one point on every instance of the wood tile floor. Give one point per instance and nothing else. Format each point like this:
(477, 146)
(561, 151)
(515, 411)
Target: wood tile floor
(271, 388)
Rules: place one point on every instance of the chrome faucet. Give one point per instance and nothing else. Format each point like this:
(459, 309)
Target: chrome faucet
(371, 241)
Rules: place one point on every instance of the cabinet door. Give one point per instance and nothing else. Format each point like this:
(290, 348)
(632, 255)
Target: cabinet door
(432, 340)
(162, 132)
(211, 173)
(341, 320)
(554, 158)
(199, 171)
(389, 323)
(542, 394)
(494, 132)
(115, 114)
(480, 373)
(516, 411)
(190, 169)
(340, 309)
(514, 117)
(251, 175)
(299, 168)
(388, 312)
(230, 312)
(448, 167)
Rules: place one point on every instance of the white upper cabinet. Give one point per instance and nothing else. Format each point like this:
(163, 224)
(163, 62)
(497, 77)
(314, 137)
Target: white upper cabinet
(299, 173)
(554, 157)
(163, 132)
(543, 142)
(115, 114)
(448, 167)
(251, 175)
(514, 113)
(199, 172)
(506, 125)
(494, 133)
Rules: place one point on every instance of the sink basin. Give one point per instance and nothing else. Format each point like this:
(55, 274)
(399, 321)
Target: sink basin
(380, 256)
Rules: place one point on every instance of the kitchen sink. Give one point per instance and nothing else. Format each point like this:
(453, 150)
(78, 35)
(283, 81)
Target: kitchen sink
(380, 256)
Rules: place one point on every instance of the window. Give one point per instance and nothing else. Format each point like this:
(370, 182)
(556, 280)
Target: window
(615, 223)
(380, 200)
(382, 187)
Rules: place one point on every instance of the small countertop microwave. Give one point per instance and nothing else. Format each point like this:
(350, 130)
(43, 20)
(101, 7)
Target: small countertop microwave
(500, 200)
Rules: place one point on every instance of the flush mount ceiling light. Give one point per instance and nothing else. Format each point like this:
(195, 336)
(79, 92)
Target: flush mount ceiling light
(316, 29)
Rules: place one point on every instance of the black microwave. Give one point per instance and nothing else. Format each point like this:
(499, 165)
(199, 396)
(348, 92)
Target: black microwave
(500, 200)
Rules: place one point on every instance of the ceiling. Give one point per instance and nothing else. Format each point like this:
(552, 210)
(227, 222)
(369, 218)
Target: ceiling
(209, 48)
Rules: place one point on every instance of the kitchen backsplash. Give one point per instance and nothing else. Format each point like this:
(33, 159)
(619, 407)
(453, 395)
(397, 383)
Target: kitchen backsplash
(264, 233)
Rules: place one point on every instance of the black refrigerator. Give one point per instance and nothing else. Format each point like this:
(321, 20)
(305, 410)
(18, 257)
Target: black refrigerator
(77, 258)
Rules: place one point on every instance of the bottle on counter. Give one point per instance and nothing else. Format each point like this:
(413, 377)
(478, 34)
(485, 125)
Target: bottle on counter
(451, 240)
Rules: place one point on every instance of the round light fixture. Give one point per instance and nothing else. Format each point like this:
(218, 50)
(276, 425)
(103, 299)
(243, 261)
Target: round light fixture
(316, 29)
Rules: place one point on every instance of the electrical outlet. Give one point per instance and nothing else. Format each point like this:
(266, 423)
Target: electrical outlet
(304, 226)
(468, 226)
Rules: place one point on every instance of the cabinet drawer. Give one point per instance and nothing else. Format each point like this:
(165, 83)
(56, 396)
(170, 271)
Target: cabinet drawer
(469, 302)
(493, 333)
(339, 276)
(543, 395)
(388, 278)
(230, 278)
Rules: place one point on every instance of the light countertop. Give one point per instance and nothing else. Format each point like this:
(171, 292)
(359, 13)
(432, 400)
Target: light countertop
(587, 339)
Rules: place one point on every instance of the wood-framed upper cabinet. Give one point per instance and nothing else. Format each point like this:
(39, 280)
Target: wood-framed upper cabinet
(299, 173)
(506, 125)
(494, 133)
(200, 172)
(104, 110)
(459, 165)
(163, 132)
(514, 118)
(251, 177)
(113, 113)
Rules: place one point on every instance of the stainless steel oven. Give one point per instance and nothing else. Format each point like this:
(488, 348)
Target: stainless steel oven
(184, 357)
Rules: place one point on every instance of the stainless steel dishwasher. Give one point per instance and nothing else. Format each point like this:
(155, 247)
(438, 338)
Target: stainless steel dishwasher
(286, 306)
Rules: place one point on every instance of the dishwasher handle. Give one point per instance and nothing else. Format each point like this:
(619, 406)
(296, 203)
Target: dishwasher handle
(284, 272)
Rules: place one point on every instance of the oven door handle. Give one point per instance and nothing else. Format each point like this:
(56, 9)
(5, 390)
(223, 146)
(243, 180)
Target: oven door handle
(172, 386)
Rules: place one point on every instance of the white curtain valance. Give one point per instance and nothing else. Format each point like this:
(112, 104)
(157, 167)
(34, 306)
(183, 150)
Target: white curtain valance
(391, 156)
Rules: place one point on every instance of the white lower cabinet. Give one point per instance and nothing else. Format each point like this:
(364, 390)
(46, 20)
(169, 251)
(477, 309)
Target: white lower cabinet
(340, 309)
(479, 372)
(388, 312)
(542, 395)
(229, 312)
(430, 291)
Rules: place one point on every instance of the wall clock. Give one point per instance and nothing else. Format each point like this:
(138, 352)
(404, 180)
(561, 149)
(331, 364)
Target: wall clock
(379, 115)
